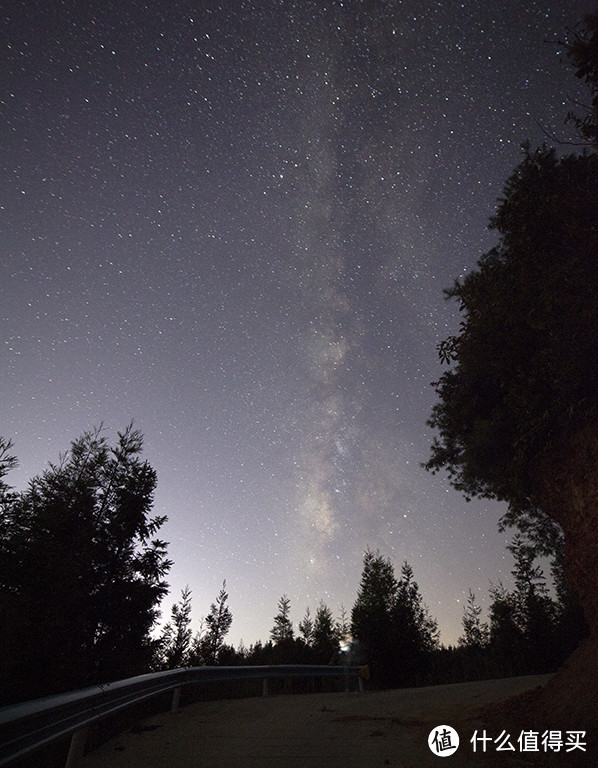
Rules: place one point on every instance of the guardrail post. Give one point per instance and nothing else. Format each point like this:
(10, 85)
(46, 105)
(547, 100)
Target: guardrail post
(176, 700)
(77, 748)
(43, 720)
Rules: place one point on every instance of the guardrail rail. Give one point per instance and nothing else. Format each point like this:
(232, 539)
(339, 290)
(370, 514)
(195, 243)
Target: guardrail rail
(34, 724)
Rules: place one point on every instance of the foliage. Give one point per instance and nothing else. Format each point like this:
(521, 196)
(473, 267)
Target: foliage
(371, 617)
(415, 631)
(524, 367)
(517, 411)
(80, 571)
(376, 594)
(527, 631)
(282, 631)
(7, 462)
(475, 631)
(583, 54)
(343, 628)
(325, 638)
(410, 608)
(391, 621)
(540, 536)
(175, 641)
(306, 627)
(506, 633)
(208, 647)
(473, 650)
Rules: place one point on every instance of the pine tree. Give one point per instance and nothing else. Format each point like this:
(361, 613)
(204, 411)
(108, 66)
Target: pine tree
(371, 617)
(306, 627)
(536, 611)
(473, 652)
(416, 632)
(343, 629)
(506, 635)
(392, 623)
(80, 570)
(218, 623)
(282, 631)
(325, 639)
(7, 462)
(176, 636)
(475, 632)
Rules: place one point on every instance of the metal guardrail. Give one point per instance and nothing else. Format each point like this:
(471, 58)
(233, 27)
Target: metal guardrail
(34, 724)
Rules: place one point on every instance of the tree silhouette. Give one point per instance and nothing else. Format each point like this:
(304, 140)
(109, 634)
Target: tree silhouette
(218, 623)
(282, 631)
(517, 416)
(583, 53)
(306, 627)
(371, 616)
(80, 571)
(325, 637)
(343, 628)
(7, 462)
(391, 621)
(475, 631)
(506, 634)
(175, 642)
(416, 632)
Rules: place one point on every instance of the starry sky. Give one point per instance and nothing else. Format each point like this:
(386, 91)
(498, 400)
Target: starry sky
(232, 222)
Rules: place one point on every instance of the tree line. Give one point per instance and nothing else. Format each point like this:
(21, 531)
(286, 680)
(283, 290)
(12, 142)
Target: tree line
(516, 417)
(530, 629)
(83, 575)
(83, 571)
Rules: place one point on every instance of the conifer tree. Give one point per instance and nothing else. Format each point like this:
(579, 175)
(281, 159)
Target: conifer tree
(177, 635)
(217, 624)
(506, 634)
(416, 632)
(343, 628)
(282, 631)
(306, 627)
(536, 612)
(80, 570)
(475, 631)
(390, 620)
(325, 638)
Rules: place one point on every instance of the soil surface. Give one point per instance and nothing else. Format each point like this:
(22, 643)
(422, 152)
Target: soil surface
(331, 730)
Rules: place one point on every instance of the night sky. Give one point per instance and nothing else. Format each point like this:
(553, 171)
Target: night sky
(232, 222)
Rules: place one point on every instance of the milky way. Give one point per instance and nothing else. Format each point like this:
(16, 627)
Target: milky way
(232, 222)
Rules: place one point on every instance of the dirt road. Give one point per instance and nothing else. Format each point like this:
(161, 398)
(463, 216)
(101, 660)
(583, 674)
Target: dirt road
(330, 730)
